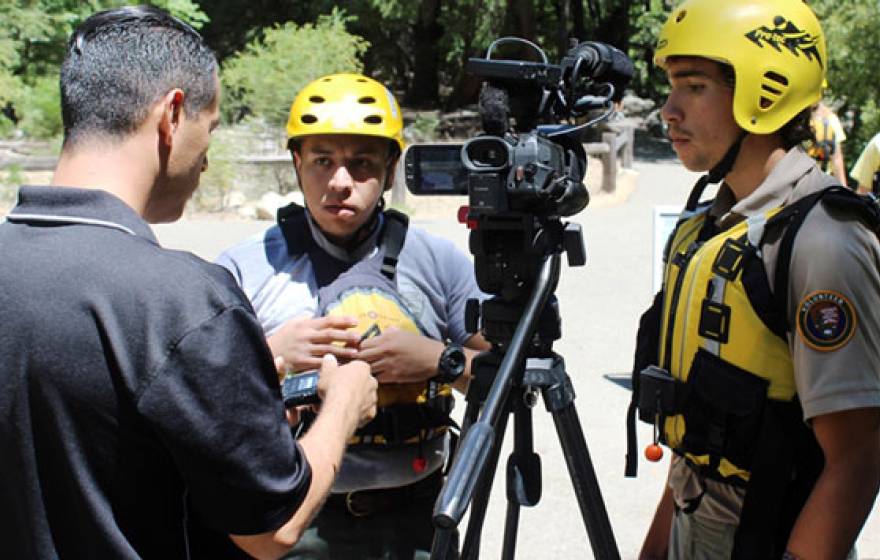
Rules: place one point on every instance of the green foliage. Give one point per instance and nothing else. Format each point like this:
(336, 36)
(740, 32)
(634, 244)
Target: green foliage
(33, 39)
(648, 80)
(219, 179)
(851, 32)
(424, 128)
(38, 105)
(265, 77)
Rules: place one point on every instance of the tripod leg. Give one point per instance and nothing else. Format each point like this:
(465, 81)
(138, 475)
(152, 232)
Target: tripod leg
(586, 485)
(523, 470)
(471, 547)
(445, 544)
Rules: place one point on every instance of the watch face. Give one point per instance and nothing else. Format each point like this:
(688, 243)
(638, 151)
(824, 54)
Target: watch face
(452, 362)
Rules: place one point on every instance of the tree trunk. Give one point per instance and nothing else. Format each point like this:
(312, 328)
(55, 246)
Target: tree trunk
(521, 19)
(578, 31)
(562, 17)
(614, 29)
(595, 16)
(467, 86)
(424, 89)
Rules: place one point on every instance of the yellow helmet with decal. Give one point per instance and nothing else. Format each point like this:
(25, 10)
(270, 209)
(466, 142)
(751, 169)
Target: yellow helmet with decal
(776, 49)
(346, 104)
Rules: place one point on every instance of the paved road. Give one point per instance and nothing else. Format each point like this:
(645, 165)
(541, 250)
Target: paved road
(600, 305)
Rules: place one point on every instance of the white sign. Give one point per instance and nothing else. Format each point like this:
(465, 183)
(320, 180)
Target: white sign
(664, 222)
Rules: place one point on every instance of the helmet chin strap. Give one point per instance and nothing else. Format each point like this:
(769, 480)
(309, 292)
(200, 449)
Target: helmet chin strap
(716, 174)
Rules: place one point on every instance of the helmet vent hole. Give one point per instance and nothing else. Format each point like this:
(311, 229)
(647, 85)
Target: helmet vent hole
(373, 119)
(773, 87)
(681, 15)
(362, 80)
(367, 100)
(316, 99)
(778, 78)
(327, 80)
(309, 119)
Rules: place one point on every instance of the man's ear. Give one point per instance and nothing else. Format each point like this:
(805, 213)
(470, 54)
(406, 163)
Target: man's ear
(171, 114)
(297, 161)
(392, 169)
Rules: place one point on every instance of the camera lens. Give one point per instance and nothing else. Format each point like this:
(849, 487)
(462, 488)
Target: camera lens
(486, 154)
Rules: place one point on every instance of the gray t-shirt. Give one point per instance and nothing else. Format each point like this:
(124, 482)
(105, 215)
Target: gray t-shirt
(434, 279)
(832, 254)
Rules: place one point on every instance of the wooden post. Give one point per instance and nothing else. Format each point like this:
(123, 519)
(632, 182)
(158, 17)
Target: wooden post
(628, 147)
(609, 163)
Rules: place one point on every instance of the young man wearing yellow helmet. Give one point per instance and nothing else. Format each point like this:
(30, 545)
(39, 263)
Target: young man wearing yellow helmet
(759, 360)
(343, 276)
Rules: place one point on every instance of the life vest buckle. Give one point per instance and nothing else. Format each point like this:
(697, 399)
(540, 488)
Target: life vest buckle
(657, 394)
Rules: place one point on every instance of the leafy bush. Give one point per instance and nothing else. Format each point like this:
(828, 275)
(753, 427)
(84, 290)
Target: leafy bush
(263, 79)
(33, 41)
(38, 107)
(423, 128)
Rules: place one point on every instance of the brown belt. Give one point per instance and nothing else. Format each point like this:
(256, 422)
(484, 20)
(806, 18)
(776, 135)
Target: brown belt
(363, 503)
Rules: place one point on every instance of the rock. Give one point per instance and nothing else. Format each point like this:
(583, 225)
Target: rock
(270, 202)
(633, 105)
(234, 199)
(654, 124)
(247, 212)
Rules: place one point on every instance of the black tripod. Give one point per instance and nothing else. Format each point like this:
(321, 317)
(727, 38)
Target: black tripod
(506, 380)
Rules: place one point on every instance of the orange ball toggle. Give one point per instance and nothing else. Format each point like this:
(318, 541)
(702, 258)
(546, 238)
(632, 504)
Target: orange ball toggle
(653, 452)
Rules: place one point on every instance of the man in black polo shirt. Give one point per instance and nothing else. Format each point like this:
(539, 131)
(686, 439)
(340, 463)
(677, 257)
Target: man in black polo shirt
(137, 392)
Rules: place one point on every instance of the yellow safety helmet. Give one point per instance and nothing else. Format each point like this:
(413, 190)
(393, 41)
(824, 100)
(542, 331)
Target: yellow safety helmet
(776, 49)
(346, 104)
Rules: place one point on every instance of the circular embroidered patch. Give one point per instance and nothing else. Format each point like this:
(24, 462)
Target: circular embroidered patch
(826, 320)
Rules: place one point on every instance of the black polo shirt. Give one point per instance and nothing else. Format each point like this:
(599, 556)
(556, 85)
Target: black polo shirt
(136, 390)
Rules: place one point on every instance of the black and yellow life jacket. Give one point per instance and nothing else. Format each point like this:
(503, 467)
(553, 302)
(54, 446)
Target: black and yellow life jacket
(824, 145)
(713, 370)
(367, 289)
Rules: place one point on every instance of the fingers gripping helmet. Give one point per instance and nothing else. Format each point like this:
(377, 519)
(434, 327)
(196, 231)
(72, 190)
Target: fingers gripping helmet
(346, 104)
(776, 49)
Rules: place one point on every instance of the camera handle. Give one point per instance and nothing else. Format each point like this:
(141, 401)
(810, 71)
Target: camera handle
(506, 381)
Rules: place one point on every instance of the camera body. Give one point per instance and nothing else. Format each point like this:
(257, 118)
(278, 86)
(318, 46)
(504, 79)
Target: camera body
(525, 156)
(526, 170)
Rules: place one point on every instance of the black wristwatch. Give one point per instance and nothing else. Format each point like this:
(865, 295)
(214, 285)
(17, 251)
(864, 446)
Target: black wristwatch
(451, 364)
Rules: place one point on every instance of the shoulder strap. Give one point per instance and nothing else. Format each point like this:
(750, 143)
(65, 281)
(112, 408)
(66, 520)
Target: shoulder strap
(865, 208)
(292, 222)
(393, 238)
(297, 234)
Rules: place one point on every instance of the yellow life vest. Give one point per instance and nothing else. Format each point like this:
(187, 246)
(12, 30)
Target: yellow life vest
(713, 372)
(825, 144)
(713, 339)
(367, 290)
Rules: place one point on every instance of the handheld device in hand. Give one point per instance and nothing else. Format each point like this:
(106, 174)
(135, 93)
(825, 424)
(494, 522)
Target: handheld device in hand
(299, 389)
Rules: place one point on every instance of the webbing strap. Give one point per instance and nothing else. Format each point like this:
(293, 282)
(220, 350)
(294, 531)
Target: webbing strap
(717, 284)
(786, 464)
(393, 238)
(755, 226)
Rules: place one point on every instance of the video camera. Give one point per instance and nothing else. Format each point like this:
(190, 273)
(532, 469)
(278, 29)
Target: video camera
(526, 170)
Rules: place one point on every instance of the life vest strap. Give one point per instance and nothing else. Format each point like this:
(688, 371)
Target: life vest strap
(864, 208)
(402, 423)
(393, 238)
(787, 463)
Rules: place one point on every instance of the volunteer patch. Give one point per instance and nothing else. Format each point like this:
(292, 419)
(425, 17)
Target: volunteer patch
(826, 320)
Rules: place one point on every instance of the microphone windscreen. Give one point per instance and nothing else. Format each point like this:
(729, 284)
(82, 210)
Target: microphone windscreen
(494, 107)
